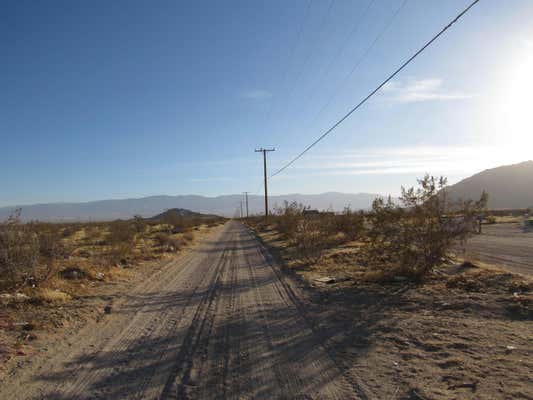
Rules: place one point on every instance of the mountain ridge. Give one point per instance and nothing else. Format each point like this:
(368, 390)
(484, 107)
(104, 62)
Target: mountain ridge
(508, 186)
(225, 205)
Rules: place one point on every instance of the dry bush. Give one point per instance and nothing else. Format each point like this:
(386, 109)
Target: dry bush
(168, 242)
(310, 238)
(350, 223)
(121, 238)
(162, 239)
(188, 236)
(50, 295)
(19, 251)
(176, 223)
(118, 254)
(415, 237)
(120, 232)
(69, 230)
(286, 217)
(139, 224)
(50, 240)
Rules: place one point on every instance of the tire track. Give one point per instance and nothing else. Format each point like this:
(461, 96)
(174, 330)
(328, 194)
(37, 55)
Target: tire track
(351, 384)
(180, 376)
(218, 323)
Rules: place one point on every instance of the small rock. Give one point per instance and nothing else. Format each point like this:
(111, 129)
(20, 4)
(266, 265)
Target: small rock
(21, 352)
(326, 279)
(100, 276)
(107, 309)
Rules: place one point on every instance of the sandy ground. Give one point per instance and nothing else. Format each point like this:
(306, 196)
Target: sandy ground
(506, 245)
(463, 333)
(219, 322)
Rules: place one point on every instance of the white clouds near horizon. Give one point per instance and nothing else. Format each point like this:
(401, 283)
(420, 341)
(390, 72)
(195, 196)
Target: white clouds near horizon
(419, 90)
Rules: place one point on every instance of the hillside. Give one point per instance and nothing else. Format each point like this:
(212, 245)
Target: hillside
(150, 206)
(180, 212)
(509, 186)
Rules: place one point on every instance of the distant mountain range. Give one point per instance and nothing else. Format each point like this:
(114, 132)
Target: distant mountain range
(149, 206)
(509, 186)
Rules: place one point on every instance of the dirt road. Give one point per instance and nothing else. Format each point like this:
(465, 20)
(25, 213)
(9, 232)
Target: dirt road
(505, 245)
(219, 322)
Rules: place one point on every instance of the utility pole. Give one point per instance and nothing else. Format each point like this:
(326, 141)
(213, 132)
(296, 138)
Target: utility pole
(241, 209)
(246, 196)
(264, 151)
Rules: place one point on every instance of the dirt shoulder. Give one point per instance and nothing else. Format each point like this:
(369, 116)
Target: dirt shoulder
(465, 333)
(34, 320)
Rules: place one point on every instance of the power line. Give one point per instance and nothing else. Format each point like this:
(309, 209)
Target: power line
(340, 121)
(342, 48)
(306, 61)
(359, 61)
(291, 57)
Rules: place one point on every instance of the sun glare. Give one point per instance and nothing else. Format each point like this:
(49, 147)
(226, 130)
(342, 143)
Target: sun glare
(516, 114)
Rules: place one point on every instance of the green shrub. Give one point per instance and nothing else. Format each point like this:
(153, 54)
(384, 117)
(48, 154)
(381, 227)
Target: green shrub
(415, 237)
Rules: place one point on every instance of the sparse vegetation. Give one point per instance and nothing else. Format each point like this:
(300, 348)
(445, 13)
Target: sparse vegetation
(31, 253)
(401, 304)
(19, 251)
(409, 239)
(413, 238)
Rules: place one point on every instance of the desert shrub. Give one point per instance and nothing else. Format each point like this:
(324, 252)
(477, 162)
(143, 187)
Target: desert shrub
(310, 238)
(189, 236)
(139, 224)
(168, 242)
(350, 223)
(416, 236)
(19, 251)
(120, 232)
(50, 244)
(287, 216)
(121, 238)
(118, 253)
(161, 238)
(176, 223)
(69, 230)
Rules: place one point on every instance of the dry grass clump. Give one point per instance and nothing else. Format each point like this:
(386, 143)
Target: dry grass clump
(169, 243)
(50, 295)
(188, 236)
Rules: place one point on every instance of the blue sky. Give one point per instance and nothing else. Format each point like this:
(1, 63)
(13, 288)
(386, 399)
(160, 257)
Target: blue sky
(128, 98)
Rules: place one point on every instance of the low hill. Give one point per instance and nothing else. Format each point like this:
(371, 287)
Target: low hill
(508, 186)
(180, 212)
